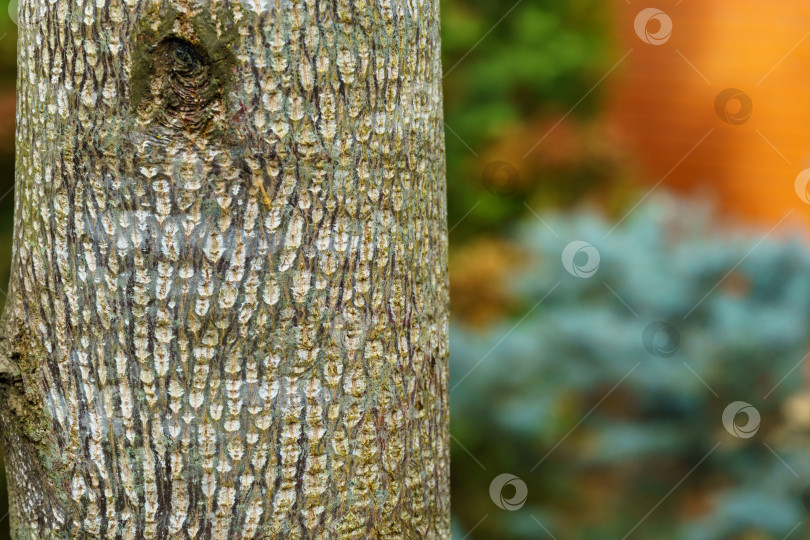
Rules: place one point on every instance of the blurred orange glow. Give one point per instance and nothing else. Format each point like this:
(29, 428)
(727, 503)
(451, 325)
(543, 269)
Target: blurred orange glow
(663, 98)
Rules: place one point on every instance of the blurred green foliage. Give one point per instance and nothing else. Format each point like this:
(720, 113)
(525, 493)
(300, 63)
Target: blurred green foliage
(510, 76)
(568, 383)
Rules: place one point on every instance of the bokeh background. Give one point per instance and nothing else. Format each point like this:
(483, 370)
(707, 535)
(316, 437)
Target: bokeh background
(628, 214)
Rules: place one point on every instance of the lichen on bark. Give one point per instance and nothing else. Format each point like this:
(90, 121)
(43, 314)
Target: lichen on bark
(228, 303)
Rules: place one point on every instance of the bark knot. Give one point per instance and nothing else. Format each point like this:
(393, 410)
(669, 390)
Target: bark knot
(183, 90)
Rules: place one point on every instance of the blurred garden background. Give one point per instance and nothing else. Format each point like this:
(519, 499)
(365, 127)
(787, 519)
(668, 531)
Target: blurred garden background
(628, 223)
(629, 269)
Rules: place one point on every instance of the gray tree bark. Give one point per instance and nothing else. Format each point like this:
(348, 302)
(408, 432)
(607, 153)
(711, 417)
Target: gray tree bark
(227, 314)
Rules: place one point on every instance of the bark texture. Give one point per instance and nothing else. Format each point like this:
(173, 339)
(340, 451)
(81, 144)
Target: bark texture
(228, 304)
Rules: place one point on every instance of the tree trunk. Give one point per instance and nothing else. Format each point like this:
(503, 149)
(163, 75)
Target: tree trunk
(227, 314)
